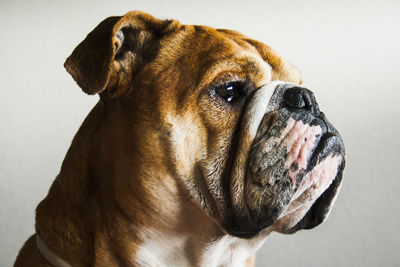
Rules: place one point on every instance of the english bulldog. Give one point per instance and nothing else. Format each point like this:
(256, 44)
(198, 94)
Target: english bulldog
(202, 143)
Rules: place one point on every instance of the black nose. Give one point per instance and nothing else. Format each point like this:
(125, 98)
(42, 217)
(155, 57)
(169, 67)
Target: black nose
(298, 97)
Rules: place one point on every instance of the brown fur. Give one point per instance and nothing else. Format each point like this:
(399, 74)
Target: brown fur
(122, 172)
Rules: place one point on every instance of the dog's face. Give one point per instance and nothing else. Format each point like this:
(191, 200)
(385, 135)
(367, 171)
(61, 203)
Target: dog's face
(253, 153)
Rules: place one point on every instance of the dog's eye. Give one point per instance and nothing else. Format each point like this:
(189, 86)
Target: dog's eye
(230, 91)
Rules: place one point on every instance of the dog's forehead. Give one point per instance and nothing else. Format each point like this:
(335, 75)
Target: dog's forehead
(210, 52)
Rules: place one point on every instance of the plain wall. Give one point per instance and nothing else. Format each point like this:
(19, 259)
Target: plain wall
(347, 51)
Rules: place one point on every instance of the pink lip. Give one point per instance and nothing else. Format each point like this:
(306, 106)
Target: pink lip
(299, 140)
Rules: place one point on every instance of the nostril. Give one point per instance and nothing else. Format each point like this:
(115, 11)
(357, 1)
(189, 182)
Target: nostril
(302, 98)
(294, 98)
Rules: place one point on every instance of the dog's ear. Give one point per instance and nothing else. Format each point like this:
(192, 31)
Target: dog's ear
(116, 50)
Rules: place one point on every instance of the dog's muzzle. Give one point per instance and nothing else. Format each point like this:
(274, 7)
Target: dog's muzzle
(293, 167)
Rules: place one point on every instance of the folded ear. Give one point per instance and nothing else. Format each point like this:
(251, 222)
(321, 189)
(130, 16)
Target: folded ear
(116, 50)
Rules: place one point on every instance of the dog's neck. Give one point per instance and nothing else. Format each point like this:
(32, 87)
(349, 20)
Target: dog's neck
(112, 215)
(177, 249)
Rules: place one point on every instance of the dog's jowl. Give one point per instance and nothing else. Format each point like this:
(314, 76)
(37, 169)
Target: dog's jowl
(202, 143)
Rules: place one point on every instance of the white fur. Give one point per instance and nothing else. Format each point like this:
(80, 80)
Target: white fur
(231, 251)
(170, 249)
(161, 249)
(258, 106)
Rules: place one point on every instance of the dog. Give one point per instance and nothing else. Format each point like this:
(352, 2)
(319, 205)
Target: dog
(202, 143)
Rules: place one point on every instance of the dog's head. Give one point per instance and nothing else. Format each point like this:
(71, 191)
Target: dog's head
(253, 152)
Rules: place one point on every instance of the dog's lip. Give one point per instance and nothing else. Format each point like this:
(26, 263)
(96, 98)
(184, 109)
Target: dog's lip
(321, 207)
(321, 150)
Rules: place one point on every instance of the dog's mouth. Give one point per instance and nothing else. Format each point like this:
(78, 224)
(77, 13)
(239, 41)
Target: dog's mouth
(293, 169)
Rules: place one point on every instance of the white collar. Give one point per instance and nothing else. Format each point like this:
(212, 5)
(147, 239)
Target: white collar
(49, 255)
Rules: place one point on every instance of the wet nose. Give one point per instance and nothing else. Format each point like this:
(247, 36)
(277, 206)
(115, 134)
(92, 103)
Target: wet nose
(301, 98)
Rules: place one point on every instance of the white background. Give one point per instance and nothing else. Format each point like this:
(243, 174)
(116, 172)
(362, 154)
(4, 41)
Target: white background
(347, 51)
